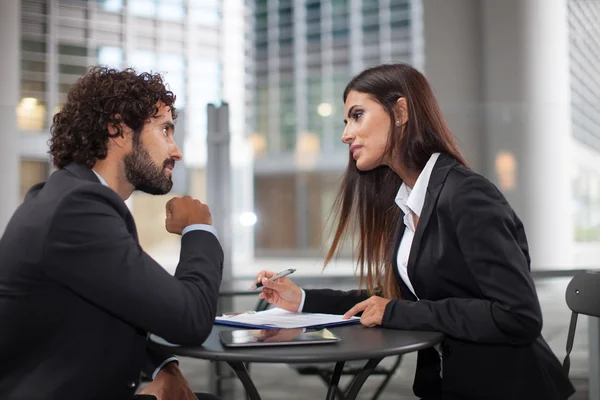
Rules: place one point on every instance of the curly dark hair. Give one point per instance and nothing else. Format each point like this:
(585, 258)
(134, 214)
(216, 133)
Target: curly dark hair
(104, 97)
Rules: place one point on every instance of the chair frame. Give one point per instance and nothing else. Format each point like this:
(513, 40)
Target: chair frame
(582, 297)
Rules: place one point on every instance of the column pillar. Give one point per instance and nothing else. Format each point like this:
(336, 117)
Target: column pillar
(448, 46)
(10, 34)
(528, 119)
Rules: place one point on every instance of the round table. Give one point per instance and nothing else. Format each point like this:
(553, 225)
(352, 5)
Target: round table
(357, 343)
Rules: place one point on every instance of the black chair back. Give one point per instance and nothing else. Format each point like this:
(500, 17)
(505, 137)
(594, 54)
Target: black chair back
(583, 297)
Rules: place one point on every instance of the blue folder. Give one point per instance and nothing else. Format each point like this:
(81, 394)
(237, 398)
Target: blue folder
(273, 326)
(244, 320)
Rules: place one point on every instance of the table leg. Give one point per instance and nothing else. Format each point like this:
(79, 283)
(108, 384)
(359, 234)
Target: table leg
(361, 377)
(335, 380)
(242, 373)
(594, 358)
(215, 378)
(222, 381)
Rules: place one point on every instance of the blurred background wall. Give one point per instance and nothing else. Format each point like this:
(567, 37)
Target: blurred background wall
(518, 82)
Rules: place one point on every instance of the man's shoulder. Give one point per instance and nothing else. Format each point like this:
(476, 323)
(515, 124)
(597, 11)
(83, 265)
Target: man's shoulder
(65, 190)
(91, 194)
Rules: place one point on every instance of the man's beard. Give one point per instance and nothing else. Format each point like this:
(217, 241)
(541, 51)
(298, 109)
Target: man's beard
(144, 174)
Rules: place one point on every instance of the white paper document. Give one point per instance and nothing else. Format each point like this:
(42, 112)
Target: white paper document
(278, 318)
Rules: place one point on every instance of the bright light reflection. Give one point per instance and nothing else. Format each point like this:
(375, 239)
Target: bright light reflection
(248, 218)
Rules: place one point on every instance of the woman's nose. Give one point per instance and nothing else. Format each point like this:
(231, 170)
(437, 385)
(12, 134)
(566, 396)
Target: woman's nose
(346, 136)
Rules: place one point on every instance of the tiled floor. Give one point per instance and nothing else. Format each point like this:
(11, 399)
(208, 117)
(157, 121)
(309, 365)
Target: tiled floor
(282, 382)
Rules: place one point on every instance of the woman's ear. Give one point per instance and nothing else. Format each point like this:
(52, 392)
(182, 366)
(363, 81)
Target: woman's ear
(401, 111)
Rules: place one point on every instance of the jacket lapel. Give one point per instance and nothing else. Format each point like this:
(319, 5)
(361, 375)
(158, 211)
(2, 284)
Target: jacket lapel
(436, 182)
(83, 172)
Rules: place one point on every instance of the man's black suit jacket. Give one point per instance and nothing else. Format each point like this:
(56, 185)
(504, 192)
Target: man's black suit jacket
(469, 265)
(78, 295)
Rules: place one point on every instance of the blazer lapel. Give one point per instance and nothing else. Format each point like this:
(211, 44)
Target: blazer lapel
(436, 181)
(83, 172)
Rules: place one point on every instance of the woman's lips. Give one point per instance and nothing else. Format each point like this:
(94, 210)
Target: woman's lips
(355, 150)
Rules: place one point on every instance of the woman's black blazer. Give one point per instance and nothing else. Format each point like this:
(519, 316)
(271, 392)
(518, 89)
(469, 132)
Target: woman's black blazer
(469, 265)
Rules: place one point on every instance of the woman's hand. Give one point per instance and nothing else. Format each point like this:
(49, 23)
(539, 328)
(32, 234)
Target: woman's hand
(372, 311)
(282, 293)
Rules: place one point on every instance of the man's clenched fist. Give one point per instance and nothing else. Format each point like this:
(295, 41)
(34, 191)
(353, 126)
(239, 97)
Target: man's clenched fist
(185, 211)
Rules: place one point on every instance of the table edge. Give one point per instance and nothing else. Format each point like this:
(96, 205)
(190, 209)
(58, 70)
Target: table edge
(299, 359)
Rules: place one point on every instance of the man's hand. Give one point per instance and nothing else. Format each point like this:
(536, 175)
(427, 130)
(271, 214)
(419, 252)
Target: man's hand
(372, 308)
(185, 211)
(170, 384)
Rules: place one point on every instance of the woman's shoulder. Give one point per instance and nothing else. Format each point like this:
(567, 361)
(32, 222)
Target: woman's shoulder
(462, 181)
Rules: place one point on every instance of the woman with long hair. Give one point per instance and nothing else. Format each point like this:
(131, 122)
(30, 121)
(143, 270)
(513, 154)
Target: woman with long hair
(439, 249)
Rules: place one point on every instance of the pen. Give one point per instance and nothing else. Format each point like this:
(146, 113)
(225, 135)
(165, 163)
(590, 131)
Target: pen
(279, 275)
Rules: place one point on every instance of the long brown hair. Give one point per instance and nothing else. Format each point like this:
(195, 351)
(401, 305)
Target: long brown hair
(366, 199)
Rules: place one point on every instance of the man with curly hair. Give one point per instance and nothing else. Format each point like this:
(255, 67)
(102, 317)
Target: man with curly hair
(78, 295)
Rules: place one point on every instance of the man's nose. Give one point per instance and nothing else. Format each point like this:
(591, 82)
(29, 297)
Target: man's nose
(175, 153)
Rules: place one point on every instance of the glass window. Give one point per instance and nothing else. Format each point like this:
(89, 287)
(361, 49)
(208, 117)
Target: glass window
(405, 23)
(286, 17)
(260, 20)
(110, 56)
(261, 110)
(31, 114)
(32, 172)
(586, 196)
(171, 10)
(205, 12)
(71, 50)
(172, 66)
(142, 8)
(33, 46)
(400, 4)
(111, 5)
(71, 69)
(205, 16)
(33, 86)
(204, 3)
(204, 87)
(314, 37)
(260, 4)
(206, 68)
(35, 66)
(143, 60)
(288, 116)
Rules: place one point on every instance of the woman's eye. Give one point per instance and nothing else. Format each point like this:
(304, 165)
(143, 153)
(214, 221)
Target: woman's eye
(357, 115)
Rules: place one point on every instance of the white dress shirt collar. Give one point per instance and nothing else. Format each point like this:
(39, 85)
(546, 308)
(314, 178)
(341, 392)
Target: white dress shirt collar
(102, 181)
(412, 200)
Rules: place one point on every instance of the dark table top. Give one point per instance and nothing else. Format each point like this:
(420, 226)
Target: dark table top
(357, 343)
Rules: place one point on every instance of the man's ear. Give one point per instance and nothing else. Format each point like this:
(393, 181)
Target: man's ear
(401, 110)
(119, 134)
(115, 130)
